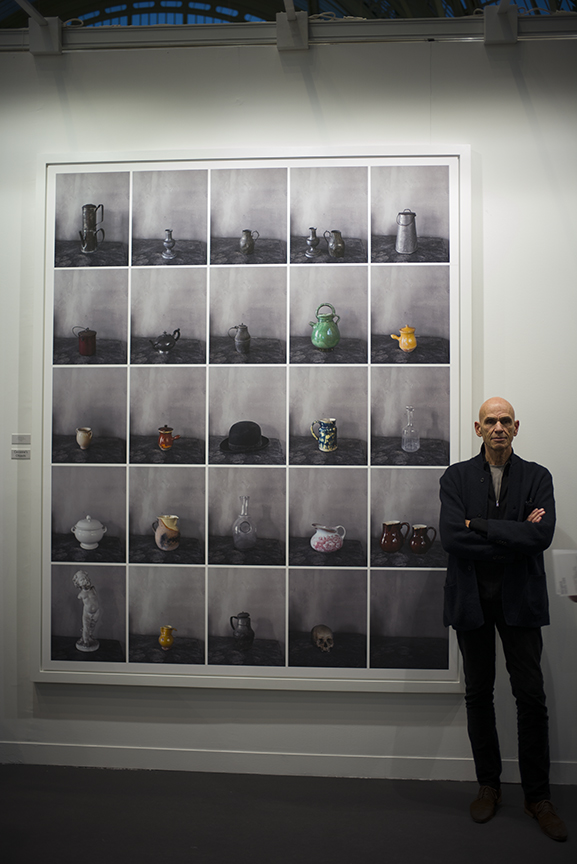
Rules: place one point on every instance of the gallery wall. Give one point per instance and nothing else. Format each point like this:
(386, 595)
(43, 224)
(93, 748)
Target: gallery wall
(516, 108)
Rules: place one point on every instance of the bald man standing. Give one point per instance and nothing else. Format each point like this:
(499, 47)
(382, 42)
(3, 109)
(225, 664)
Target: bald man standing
(497, 518)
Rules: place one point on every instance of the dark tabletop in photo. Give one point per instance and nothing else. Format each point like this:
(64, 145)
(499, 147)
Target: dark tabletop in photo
(435, 557)
(192, 351)
(142, 549)
(222, 651)
(302, 554)
(271, 455)
(222, 351)
(302, 350)
(110, 550)
(355, 252)
(430, 250)
(109, 253)
(388, 451)
(430, 349)
(349, 651)
(148, 253)
(144, 449)
(409, 652)
(221, 550)
(108, 351)
(101, 451)
(145, 649)
(109, 650)
(226, 250)
(304, 450)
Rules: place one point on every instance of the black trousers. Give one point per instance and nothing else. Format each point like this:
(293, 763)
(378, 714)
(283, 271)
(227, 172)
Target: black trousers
(522, 647)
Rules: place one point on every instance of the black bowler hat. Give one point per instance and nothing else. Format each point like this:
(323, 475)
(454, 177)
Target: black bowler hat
(244, 437)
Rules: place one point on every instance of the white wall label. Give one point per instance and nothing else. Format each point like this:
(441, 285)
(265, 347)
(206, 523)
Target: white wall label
(21, 438)
(21, 453)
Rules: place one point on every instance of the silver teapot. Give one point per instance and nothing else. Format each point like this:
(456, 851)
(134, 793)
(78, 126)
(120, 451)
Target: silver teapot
(165, 343)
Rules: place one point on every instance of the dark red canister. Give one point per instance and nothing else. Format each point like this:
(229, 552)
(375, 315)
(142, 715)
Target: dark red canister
(86, 341)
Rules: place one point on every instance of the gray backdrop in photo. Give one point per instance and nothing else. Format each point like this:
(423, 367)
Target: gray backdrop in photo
(233, 396)
(345, 288)
(329, 198)
(255, 296)
(407, 494)
(91, 298)
(266, 487)
(407, 603)
(167, 395)
(169, 199)
(253, 198)
(328, 496)
(85, 490)
(425, 388)
(110, 584)
(328, 391)
(417, 296)
(260, 592)
(73, 191)
(89, 396)
(161, 596)
(171, 490)
(164, 299)
(424, 189)
(335, 598)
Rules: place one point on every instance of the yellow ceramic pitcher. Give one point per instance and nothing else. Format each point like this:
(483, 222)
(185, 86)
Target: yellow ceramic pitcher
(406, 340)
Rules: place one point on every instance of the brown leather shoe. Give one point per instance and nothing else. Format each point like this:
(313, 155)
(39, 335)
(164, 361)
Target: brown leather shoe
(549, 822)
(485, 804)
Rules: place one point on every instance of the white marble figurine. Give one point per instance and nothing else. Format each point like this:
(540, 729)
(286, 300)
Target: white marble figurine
(90, 611)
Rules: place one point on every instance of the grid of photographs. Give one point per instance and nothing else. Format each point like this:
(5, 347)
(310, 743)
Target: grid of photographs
(250, 397)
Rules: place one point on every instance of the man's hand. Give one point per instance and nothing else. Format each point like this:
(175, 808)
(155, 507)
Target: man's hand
(467, 522)
(536, 515)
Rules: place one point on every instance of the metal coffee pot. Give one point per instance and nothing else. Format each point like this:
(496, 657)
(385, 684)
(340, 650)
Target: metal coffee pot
(165, 343)
(90, 231)
(247, 241)
(242, 631)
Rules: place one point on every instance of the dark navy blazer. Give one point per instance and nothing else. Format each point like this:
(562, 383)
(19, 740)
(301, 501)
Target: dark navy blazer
(513, 542)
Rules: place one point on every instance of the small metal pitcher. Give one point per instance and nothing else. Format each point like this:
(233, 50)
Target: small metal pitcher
(406, 242)
(90, 232)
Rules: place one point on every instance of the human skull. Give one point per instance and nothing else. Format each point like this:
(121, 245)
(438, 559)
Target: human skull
(322, 637)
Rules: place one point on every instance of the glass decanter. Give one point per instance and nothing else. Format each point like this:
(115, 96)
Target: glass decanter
(410, 441)
(243, 528)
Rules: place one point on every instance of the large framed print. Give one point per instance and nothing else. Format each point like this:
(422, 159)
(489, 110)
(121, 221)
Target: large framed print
(255, 374)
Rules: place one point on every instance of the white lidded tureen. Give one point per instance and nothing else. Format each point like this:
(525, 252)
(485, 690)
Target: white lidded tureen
(89, 532)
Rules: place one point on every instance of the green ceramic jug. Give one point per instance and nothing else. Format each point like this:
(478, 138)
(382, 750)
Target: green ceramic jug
(325, 335)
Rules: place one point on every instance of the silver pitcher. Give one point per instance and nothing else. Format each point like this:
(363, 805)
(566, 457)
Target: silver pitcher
(406, 242)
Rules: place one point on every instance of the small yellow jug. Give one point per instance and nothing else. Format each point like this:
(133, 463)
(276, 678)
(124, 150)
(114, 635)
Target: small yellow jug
(166, 639)
(406, 340)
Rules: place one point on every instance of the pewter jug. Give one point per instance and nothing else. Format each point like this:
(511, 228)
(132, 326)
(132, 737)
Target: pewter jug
(247, 241)
(241, 338)
(242, 631)
(406, 242)
(335, 243)
(90, 232)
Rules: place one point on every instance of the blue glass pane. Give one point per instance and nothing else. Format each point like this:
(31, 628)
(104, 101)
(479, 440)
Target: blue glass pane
(88, 15)
(205, 6)
(146, 5)
(115, 9)
(252, 18)
(174, 3)
(202, 19)
(225, 11)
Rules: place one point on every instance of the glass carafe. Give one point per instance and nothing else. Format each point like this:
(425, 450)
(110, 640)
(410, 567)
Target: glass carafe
(410, 441)
(243, 528)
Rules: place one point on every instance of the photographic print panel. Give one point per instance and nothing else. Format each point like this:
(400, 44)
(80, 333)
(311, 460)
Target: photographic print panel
(169, 218)
(183, 376)
(168, 316)
(407, 629)
(166, 615)
(328, 618)
(246, 617)
(88, 613)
